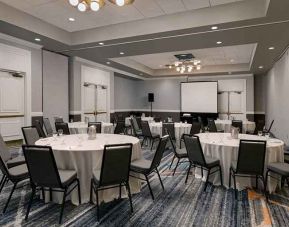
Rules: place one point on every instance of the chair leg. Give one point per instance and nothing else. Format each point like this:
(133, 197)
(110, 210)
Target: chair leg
(207, 179)
(230, 177)
(97, 204)
(129, 196)
(149, 187)
(189, 169)
(119, 197)
(202, 172)
(3, 181)
(287, 180)
(43, 194)
(152, 141)
(176, 167)
(91, 188)
(235, 188)
(9, 198)
(79, 192)
(221, 175)
(62, 205)
(30, 202)
(160, 178)
(142, 142)
(256, 182)
(172, 162)
(266, 179)
(50, 192)
(282, 181)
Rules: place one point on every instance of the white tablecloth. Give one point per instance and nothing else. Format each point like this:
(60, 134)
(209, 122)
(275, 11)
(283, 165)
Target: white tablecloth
(76, 152)
(81, 127)
(225, 125)
(180, 129)
(223, 147)
(149, 119)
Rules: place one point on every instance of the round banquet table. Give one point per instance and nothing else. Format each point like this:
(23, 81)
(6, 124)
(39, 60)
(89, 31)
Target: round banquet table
(225, 125)
(180, 129)
(223, 147)
(149, 119)
(81, 127)
(76, 152)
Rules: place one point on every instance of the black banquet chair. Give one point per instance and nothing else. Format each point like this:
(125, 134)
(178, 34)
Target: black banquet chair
(63, 126)
(198, 159)
(195, 129)
(250, 163)
(39, 128)
(97, 126)
(120, 128)
(146, 167)
(44, 175)
(238, 124)
(148, 135)
(136, 131)
(30, 134)
(47, 126)
(212, 126)
(16, 175)
(169, 128)
(114, 171)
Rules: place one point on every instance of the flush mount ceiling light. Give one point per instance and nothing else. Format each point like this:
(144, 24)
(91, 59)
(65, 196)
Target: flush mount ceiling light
(185, 63)
(95, 5)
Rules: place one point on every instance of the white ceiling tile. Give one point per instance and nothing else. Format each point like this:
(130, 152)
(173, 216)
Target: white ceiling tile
(171, 6)
(196, 4)
(149, 8)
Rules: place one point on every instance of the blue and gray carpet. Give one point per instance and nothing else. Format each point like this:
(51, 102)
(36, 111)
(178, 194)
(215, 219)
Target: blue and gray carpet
(179, 205)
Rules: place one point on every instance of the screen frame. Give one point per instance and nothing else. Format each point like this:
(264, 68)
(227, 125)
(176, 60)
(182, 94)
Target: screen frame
(203, 81)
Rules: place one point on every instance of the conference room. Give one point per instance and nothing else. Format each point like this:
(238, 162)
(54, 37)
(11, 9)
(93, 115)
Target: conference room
(144, 113)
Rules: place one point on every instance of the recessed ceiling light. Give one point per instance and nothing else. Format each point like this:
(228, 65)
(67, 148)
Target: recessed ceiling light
(37, 39)
(261, 67)
(232, 60)
(108, 62)
(214, 28)
(101, 43)
(219, 42)
(271, 48)
(71, 19)
(121, 53)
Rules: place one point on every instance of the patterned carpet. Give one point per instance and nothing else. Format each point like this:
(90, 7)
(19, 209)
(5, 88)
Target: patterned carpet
(179, 205)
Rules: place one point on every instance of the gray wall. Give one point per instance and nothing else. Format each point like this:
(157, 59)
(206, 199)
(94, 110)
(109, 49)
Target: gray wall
(36, 74)
(259, 91)
(277, 91)
(55, 85)
(74, 85)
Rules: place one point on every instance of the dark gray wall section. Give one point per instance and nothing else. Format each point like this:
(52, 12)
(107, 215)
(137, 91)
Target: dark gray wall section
(74, 85)
(55, 85)
(259, 91)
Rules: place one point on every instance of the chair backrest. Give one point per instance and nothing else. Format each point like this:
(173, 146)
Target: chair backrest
(3, 166)
(211, 125)
(63, 126)
(97, 126)
(41, 166)
(270, 127)
(159, 152)
(195, 151)
(30, 135)
(169, 127)
(146, 131)
(196, 128)
(115, 164)
(201, 122)
(58, 120)
(39, 128)
(47, 126)
(238, 124)
(4, 151)
(120, 127)
(138, 121)
(157, 119)
(251, 157)
(134, 125)
(259, 126)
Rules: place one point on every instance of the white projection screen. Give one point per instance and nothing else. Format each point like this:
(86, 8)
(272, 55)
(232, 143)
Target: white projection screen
(199, 97)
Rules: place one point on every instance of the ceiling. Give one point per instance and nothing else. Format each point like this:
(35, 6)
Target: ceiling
(57, 12)
(216, 56)
(150, 32)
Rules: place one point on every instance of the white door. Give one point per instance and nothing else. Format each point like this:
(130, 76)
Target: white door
(12, 104)
(89, 102)
(101, 104)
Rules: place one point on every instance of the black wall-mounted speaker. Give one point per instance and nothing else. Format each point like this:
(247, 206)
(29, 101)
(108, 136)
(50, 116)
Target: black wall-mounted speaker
(151, 97)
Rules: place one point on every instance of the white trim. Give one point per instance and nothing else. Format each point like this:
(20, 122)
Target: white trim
(36, 114)
(106, 68)
(20, 41)
(255, 112)
(193, 78)
(75, 112)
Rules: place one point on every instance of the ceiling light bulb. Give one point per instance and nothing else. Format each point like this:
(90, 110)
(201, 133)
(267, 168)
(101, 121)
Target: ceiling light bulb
(271, 48)
(219, 42)
(199, 67)
(71, 19)
(121, 53)
(214, 28)
(261, 67)
(94, 5)
(170, 66)
(176, 64)
(37, 39)
(178, 69)
(82, 6)
(101, 43)
(120, 2)
(74, 2)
